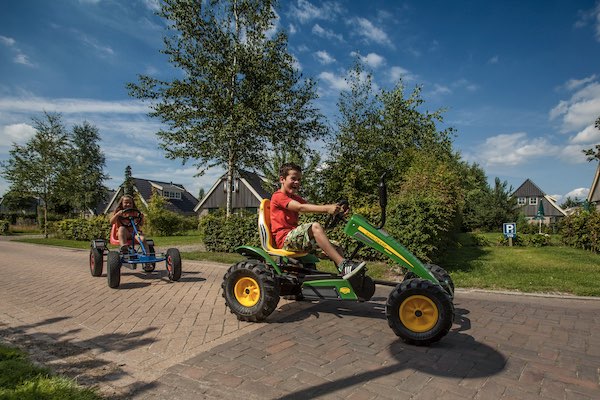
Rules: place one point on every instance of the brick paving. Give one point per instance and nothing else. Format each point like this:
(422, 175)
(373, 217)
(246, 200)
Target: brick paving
(178, 341)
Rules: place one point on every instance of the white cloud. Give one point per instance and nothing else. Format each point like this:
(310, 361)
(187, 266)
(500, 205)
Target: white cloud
(579, 193)
(513, 149)
(573, 84)
(396, 73)
(22, 59)
(102, 50)
(372, 59)
(304, 11)
(440, 90)
(589, 135)
(153, 5)
(292, 29)
(324, 57)
(326, 33)
(16, 133)
(364, 27)
(335, 81)
(66, 105)
(494, 60)
(581, 109)
(590, 17)
(7, 41)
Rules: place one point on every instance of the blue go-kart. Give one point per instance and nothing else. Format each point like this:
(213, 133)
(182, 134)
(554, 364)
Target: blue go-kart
(137, 253)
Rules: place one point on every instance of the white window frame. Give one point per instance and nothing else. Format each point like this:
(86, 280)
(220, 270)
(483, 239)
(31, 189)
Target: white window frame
(171, 195)
(521, 201)
(533, 201)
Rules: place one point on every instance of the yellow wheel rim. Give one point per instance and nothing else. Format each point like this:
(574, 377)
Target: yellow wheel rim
(247, 291)
(418, 313)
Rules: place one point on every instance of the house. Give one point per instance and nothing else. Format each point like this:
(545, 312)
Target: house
(529, 196)
(247, 194)
(594, 194)
(179, 200)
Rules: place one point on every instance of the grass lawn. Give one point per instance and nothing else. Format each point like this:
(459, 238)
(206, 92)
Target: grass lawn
(22, 380)
(551, 269)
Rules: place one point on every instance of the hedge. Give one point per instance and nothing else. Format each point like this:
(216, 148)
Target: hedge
(4, 226)
(82, 229)
(582, 230)
(223, 234)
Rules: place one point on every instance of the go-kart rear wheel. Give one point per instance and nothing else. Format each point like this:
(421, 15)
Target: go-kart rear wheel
(419, 312)
(113, 269)
(440, 274)
(149, 267)
(250, 290)
(96, 261)
(173, 264)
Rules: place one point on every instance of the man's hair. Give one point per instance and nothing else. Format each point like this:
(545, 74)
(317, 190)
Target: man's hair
(285, 169)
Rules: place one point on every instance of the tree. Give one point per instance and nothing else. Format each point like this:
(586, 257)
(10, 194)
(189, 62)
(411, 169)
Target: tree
(594, 153)
(86, 168)
(201, 194)
(35, 168)
(128, 182)
(571, 202)
(238, 96)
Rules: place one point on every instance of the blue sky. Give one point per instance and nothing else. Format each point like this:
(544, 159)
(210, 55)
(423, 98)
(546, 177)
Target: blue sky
(520, 79)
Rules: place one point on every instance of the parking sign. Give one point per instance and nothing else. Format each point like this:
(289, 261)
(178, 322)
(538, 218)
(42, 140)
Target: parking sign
(509, 229)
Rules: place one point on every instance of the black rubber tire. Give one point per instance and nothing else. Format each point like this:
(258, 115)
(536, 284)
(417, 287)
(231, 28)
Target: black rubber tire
(96, 261)
(440, 274)
(173, 264)
(267, 287)
(149, 267)
(420, 292)
(113, 269)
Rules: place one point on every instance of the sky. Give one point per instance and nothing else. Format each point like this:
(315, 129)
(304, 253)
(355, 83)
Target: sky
(519, 80)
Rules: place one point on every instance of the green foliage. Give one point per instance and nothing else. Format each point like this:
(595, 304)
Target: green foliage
(539, 240)
(160, 221)
(82, 229)
(479, 240)
(582, 230)
(518, 240)
(238, 95)
(128, 182)
(222, 234)
(4, 226)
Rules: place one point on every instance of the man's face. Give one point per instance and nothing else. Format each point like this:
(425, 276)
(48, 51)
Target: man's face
(291, 183)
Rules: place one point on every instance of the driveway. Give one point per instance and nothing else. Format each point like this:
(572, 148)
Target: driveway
(153, 339)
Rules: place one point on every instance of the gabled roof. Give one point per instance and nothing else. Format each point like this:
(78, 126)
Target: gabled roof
(250, 179)
(558, 208)
(144, 187)
(528, 189)
(594, 194)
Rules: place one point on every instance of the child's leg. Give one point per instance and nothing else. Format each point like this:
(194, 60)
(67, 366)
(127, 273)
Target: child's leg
(318, 233)
(123, 235)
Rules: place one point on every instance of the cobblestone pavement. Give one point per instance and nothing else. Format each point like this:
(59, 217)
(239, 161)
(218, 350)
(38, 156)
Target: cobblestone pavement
(153, 339)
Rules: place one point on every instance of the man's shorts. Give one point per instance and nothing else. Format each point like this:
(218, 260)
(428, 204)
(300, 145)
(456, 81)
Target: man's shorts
(299, 240)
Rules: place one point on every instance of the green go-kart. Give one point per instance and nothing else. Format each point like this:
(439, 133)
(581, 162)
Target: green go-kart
(419, 309)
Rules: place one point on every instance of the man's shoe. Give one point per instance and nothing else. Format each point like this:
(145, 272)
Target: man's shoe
(349, 268)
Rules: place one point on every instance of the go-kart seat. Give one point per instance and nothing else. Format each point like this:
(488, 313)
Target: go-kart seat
(114, 239)
(264, 229)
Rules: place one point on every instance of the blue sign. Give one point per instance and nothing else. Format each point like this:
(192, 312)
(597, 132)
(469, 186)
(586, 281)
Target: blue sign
(509, 229)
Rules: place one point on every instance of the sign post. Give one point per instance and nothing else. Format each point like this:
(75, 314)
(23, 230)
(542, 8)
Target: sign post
(510, 231)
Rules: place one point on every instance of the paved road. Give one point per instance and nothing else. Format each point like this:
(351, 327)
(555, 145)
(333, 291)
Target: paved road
(152, 339)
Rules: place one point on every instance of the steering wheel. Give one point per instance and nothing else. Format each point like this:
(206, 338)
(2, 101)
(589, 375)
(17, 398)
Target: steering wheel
(334, 220)
(130, 216)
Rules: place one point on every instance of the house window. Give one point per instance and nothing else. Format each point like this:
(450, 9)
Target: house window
(172, 195)
(521, 201)
(235, 187)
(533, 201)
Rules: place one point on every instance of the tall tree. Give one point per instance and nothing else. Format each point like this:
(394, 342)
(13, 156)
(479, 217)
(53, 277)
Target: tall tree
(238, 96)
(87, 164)
(128, 182)
(36, 167)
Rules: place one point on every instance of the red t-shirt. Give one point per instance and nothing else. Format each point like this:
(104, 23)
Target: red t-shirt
(282, 219)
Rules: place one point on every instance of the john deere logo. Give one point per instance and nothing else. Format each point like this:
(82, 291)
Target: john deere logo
(345, 290)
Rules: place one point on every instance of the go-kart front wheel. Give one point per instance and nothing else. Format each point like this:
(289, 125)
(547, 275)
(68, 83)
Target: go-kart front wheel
(440, 274)
(96, 261)
(173, 264)
(113, 269)
(250, 290)
(419, 312)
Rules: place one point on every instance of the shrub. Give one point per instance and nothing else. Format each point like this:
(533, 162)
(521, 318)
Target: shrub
(223, 234)
(582, 230)
(479, 240)
(518, 240)
(4, 226)
(539, 240)
(82, 229)
(160, 221)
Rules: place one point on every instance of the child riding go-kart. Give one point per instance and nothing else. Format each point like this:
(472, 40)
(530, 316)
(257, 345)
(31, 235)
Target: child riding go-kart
(136, 253)
(419, 309)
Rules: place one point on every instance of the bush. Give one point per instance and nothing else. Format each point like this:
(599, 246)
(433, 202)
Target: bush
(82, 229)
(539, 240)
(160, 221)
(4, 227)
(479, 240)
(223, 234)
(582, 230)
(518, 240)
